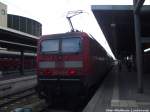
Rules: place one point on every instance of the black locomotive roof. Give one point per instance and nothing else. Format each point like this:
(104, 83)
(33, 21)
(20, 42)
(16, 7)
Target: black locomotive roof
(68, 34)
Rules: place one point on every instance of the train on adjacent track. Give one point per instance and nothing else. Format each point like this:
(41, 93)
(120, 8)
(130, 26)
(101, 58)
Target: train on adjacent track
(70, 63)
(11, 61)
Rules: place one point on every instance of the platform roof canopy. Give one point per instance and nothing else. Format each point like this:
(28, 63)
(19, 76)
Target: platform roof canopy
(117, 24)
(17, 41)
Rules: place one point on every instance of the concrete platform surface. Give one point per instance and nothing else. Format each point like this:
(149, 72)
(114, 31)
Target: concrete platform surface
(118, 93)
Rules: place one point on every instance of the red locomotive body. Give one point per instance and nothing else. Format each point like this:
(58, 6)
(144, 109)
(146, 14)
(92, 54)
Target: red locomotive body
(70, 62)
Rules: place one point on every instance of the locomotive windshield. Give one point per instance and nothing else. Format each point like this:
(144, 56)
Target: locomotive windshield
(61, 45)
(50, 46)
(71, 45)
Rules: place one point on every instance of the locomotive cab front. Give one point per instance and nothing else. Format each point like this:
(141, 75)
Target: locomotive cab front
(62, 63)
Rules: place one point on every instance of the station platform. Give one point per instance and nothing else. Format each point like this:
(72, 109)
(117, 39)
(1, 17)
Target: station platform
(118, 93)
(14, 84)
(16, 74)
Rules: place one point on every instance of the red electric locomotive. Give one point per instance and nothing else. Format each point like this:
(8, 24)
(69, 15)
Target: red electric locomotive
(72, 62)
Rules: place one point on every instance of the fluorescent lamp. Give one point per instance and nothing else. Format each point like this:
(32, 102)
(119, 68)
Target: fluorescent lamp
(147, 50)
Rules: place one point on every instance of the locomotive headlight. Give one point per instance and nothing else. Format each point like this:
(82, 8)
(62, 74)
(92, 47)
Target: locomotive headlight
(47, 72)
(72, 72)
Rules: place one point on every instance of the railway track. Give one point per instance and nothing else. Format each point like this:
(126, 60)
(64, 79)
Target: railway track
(29, 100)
(7, 101)
(34, 104)
(16, 85)
(72, 105)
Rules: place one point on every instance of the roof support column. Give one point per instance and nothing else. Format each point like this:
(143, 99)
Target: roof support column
(22, 63)
(137, 32)
(138, 5)
(114, 35)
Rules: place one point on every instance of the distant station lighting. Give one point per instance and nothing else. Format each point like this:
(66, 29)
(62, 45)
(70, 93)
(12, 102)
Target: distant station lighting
(113, 25)
(1, 48)
(147, 50)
